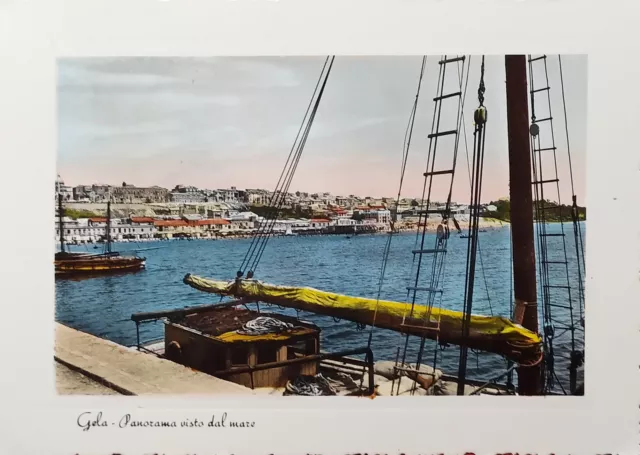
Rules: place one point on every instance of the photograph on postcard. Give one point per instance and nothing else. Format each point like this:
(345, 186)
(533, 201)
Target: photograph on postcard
(316, 226)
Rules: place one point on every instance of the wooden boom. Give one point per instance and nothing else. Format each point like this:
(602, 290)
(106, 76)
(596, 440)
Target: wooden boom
(487, 333)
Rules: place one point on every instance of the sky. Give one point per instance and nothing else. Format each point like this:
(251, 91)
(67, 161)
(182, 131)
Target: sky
(231, 121)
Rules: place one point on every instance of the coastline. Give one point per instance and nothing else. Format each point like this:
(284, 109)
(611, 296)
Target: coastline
(402, 228)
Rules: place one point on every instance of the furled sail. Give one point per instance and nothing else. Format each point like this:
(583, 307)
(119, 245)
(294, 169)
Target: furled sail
(486, 333)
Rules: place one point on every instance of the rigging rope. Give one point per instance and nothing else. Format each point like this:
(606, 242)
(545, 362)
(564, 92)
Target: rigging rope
(107, 244)
(543, 272)
(405, 155)
(541, 206)
(421, 211)
(481, 90)
(480, 119)
(442, 235)
(260, 239)
(437, 270)
(577, 229)
(466, 149)
(283, 192)
(510, 385)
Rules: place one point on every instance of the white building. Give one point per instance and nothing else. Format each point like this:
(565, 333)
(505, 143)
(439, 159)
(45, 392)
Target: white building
(227, 195)
(376, 215)
(242, 220)
(187, 194)
(341, 213)
(460, 210)
(257, 197)
(63, 190)
(318, 223)
(94, 229)
(345, 222)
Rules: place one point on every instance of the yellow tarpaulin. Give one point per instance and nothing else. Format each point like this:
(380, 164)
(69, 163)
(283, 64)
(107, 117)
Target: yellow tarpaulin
(488, 333)
(234, 336)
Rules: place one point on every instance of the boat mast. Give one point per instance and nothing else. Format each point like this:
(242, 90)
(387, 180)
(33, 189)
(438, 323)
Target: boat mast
(108, 244)
(60, 222)
(530, 380)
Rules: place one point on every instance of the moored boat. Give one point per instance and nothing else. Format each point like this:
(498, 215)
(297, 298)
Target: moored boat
(98, 265)
(282, 355)
(203, 337)
(74, 264)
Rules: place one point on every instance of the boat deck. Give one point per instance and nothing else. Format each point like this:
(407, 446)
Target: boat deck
(351, 366)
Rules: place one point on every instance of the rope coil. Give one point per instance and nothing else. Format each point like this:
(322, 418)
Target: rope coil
(310, 386)
(263, 325)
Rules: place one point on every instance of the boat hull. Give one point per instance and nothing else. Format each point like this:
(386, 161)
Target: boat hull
(98, 266)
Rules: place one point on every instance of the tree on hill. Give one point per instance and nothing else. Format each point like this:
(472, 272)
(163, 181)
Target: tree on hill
(74, 214)
(503, 211)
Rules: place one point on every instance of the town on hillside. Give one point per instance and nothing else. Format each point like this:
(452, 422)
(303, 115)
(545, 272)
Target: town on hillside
(187, 212)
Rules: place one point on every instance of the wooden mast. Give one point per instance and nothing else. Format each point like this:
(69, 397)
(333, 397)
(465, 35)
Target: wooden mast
(108, 245)
(530, 379)
(60, 222)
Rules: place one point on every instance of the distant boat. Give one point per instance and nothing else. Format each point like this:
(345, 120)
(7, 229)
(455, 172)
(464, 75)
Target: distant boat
(289, 231)
(73, 264)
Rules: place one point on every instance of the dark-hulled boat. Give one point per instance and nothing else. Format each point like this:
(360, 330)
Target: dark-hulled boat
(87, 264)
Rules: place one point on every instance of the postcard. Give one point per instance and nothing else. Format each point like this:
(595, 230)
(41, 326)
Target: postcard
(399, 247)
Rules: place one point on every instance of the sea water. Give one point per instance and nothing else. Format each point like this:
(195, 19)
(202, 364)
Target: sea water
(103, 306)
